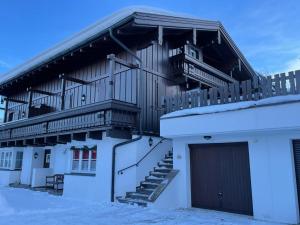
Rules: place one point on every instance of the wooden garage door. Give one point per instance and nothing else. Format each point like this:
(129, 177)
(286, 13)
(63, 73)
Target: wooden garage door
(296, 145)
(220, 177)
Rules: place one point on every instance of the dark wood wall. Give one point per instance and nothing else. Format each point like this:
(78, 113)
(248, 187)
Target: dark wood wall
(156, 82)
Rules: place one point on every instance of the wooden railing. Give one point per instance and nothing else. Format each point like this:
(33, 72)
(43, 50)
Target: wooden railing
(255, 89)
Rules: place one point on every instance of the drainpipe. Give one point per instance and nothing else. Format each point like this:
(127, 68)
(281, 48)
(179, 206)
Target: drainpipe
(139, 98)
(112, 196)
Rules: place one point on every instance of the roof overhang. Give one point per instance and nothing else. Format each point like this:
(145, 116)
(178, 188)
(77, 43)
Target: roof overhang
(139, 18)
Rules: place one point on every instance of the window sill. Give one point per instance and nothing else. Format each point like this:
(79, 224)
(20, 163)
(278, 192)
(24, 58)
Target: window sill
(81, 174)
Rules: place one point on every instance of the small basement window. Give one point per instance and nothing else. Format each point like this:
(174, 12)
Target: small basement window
(84, 159)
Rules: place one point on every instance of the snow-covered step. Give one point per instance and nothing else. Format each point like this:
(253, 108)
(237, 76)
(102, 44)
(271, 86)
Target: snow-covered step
(162, 169)
(158, 174)
(166, 165)
(133, 201)
(145, 190)
(168, 160)
(136, 195)
(149, 184)
(154, 179)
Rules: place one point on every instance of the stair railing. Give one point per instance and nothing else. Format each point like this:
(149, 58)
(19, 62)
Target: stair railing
(137, 163)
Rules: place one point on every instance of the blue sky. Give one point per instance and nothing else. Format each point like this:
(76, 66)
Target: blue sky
(266, 31)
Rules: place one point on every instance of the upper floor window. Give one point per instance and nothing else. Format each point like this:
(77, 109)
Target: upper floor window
(84, 159)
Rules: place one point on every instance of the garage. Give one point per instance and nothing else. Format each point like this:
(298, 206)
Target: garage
(220, 177)
(296, 146)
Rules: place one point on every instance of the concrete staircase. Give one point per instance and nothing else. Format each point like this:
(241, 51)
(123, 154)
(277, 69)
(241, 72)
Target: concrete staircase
(152, 183)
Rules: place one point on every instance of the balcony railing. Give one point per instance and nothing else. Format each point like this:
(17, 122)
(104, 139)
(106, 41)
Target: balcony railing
(185, 65)
(110, 101)
(258, 88)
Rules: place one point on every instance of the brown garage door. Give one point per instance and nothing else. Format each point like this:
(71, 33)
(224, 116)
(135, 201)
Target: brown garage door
(220, 177)
(296, 145)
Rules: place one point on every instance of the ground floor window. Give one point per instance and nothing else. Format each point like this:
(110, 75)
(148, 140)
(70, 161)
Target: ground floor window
(5, 159)
(84, 159)
(19, 160)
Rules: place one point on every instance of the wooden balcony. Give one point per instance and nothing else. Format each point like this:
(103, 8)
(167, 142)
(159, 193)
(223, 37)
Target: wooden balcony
(185, 66)
(108, 103)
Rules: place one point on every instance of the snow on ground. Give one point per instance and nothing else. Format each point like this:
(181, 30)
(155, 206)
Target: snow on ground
(233, 106)
(25, 207)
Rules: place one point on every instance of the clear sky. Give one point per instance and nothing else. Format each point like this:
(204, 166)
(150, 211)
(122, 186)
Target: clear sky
(266, 31)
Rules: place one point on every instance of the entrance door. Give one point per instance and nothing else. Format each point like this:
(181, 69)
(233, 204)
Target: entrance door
(296, 146)
(47, 158)
(220, 177)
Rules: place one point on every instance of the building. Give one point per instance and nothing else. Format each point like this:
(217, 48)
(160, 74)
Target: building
(90, 107)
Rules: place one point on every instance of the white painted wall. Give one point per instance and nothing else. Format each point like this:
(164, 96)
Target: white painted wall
(39, 176)
(29, 162)
(80, 187)
(9, 176)
(130, 154)
(269, 132)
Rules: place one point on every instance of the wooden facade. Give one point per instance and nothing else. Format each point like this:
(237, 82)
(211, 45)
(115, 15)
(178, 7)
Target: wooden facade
(98, 85)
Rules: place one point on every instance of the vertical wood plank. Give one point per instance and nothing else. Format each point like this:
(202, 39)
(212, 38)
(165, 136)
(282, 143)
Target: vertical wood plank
(291, 78)
(277, 85)
(283, 84)
(297, 76)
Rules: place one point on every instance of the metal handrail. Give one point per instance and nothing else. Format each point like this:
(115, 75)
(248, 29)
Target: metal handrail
(137, 163)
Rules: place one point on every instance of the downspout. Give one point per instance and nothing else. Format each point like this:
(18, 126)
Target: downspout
(122, 45)
(112, 197)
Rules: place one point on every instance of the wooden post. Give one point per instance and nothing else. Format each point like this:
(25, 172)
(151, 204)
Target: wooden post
(5, 111)
(29, 103)
(63, 91)
(194, 36)
(160, 35)
(111, 75)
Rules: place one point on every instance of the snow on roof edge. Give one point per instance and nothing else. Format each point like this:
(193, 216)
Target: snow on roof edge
(83, 35)
(232, 106)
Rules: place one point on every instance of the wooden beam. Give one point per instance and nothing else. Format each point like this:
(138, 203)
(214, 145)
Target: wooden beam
(111, 75)
(194, 36)
(121, 61)
(16, 100)
(160, 35)
(76, 80)
(219, 37)
(240, 64)
(41, 92)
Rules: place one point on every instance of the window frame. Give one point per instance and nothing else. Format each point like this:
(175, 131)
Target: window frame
(79, 168)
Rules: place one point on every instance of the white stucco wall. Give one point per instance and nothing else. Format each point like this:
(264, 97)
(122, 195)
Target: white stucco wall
(38, 178)
(269, 132)
(80, 187)
(29, 162)
(129, 155)
(9, 176)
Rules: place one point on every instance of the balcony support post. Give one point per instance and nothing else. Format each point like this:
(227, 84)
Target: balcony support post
(111, 59)
(29, 102)
(63, 92)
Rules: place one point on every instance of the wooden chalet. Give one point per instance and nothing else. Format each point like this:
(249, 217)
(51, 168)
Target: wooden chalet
(112, 75)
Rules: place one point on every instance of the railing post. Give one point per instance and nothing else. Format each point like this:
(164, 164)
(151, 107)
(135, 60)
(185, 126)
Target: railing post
(29, 102)
(63, 91)
(111, 59)
(5, 110)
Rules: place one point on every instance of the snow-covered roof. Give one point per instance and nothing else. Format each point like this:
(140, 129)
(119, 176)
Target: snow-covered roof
(232, 106)
(83, 35)
(102, 26)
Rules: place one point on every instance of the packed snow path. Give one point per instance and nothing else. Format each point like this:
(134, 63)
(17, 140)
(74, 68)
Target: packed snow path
(25, 207)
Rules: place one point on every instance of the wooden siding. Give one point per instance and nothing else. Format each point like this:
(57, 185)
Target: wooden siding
(156, 81)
